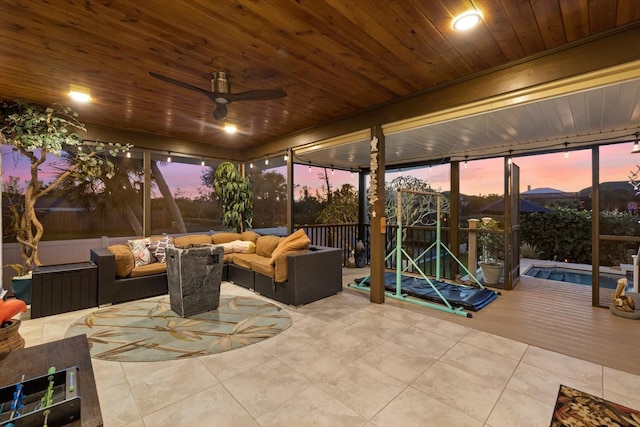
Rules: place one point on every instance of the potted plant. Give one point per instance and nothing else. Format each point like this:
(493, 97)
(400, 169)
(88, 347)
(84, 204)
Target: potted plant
(21, 283)
(10, 338)
(492, 244)
(235, 197)
(35, 132)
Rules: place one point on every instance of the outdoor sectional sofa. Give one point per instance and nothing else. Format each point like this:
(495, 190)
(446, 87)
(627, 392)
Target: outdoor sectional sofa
(286, 269)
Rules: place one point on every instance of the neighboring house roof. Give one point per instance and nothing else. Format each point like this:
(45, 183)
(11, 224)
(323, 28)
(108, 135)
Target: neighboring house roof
(542, 190)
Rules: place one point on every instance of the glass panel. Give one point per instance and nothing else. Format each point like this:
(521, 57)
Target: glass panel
(619, 201)
(182, 195)
(318, 192)
(269, 185)
(77, 210)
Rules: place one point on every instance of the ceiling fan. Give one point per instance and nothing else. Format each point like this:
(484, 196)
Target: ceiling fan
(220, 92)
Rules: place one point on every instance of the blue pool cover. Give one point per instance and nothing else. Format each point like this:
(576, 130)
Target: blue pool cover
(472, 299)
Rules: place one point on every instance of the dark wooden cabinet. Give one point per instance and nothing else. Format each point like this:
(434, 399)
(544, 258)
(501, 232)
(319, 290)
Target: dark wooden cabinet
(64, 287)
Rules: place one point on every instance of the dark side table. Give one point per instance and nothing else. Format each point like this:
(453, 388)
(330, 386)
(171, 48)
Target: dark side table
(68, 352)
(63, 287)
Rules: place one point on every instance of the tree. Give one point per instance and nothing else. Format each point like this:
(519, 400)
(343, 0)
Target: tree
(168, 197)
(103, 196)
(343, 207)
(417, 209)
(269, 198)
(307, 206)
(235, 197)
(36, 132)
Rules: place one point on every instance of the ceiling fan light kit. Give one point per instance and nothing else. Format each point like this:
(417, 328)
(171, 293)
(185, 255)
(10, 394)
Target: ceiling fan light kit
(220, 92)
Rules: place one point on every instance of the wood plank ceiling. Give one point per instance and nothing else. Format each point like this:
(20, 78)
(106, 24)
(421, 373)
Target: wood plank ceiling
(334, 58)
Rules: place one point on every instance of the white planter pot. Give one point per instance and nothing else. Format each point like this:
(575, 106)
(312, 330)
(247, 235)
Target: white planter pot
(491, 272)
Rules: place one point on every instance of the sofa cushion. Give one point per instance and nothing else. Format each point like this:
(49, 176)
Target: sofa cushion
(224, 237)
(250, 236)
(124, 259)
(296, 241)
(141, 253)
(245, 260)
(159, 245)
(190, 240)
(261, 266)
(146, 270)
(265, 245)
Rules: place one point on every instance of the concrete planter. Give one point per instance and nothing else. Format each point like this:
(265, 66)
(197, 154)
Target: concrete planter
(491, 272)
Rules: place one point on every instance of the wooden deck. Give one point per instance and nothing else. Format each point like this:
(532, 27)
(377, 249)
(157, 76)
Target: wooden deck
(557, 316)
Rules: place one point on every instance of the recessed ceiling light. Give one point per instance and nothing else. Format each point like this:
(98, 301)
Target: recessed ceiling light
(467, 20)
(230, 128)
(79, 93)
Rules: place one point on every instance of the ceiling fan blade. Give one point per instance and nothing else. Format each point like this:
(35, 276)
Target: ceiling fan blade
(256, 95)
(181, 84)
(220, 112)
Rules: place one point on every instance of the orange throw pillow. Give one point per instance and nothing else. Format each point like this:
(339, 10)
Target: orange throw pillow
(10, 308)
(293, 242)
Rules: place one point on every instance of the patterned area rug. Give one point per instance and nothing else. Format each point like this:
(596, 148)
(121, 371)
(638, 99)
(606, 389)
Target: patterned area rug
(144, 331)
(577, 408)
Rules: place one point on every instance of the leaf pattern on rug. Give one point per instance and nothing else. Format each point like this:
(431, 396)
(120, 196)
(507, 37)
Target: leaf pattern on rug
(149, 330)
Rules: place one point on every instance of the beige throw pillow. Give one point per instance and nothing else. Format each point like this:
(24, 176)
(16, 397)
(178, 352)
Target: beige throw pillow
(141, 253)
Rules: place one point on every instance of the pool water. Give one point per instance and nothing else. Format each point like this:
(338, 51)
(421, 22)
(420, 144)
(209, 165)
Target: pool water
(569, 275)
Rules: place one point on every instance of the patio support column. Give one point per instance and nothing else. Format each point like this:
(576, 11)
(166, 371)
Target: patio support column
(595, 226)
(454, 216)
(378, 220)
(362, 205)
(290, 180)
(146, 198)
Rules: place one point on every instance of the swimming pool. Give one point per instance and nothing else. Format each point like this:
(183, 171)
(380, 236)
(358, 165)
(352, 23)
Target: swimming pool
(571, 275)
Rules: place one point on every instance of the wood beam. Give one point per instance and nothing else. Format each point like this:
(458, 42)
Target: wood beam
(573, 60)
(378, 219)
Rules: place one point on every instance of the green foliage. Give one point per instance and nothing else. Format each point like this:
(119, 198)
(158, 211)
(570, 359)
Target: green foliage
(235, 196)
(617, 224)
(491, 240)
(343, 207)
(307, 206)
(564, 234)
(269, 198)
(35, 132)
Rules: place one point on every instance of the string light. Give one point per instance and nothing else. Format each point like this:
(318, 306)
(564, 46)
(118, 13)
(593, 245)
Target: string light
(466, 158)
(509, 161)
(350, 172)
(566, 151)
(250, 165)
(202, 162)
(309, 166)
(266, 160)
(128, 154)
(332, 173)
(636, 147)
(286, 157)
(169, 157)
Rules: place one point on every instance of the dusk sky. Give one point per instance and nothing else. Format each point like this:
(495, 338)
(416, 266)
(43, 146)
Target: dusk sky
(478, 177)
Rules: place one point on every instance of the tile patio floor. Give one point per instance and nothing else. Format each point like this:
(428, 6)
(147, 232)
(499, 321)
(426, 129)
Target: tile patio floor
(348, 362)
